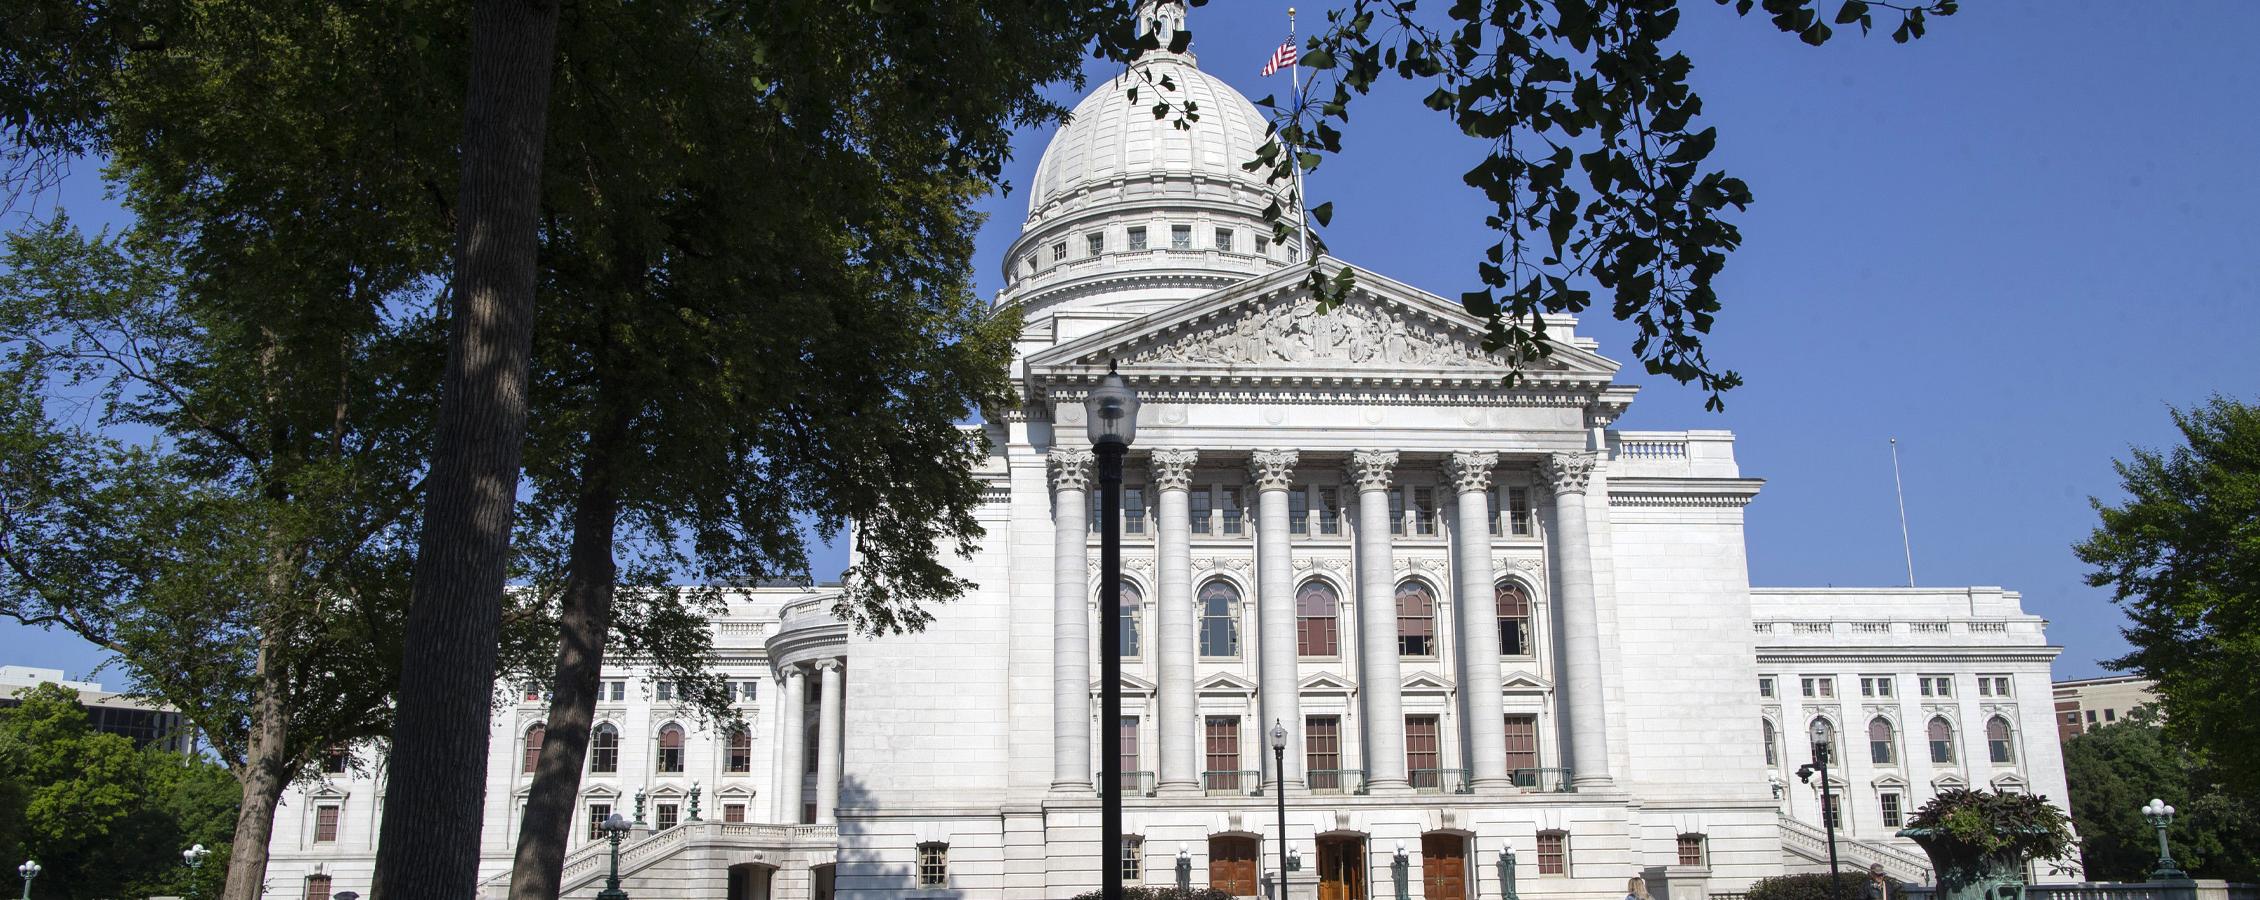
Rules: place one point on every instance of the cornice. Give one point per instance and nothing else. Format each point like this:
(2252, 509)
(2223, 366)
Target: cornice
(1684, 493)
(1779, 653)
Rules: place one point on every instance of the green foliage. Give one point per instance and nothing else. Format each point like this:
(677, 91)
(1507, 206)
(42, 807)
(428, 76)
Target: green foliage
(1162, 893)
(1972, 825)
(2111, 771)
(1596, 154)
(2181, 556)
(103, 818)
(1813, 886)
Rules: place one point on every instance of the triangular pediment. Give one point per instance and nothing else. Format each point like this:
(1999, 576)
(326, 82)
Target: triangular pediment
(1326, 683)
(1426, 683)
(1225, 683)
(1131, 684)
(1525, 681)
(1270, 327)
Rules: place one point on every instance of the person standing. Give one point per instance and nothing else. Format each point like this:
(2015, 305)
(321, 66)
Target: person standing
(1878, 888)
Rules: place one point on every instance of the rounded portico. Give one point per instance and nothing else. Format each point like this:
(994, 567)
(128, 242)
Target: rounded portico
(809, 657)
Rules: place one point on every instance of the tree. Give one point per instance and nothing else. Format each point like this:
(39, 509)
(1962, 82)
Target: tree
(2182, 558)
(2113, 770)
(100, 815)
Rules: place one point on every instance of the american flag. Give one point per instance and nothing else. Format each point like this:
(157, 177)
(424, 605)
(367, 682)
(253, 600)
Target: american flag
(1280, 58)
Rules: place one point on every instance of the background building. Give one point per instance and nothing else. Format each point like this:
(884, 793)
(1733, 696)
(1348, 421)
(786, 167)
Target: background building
(144, 722)
(2085, 703)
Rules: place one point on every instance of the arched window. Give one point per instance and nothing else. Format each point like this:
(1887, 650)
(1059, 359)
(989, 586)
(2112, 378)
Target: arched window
(604, 749)
(1883, 748)
(533, 746)
(1416, 620)
(1514, 619)
(1997, 741)
(1132, 601)
(1773, 755)
(1315, 631)
(1941, 741)
(741, 749)
(1220, 619)
(671, 749)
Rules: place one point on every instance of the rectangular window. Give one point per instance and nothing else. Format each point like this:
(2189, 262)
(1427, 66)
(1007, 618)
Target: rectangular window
(1522, 746)
(669, 814)
(1936, 685)
(1126, 743)
(1322, 752)
(664, 690)
(1263, 245)
(1875, 685)
(2091, 717)
(2110, 715)
(1553, 853)
(1691, 850)
(733, 812)
(1519, 521)
(933, 866)
(1228, 501)
(1180, 237)
(531, 691)
(1424, 511)
(334, 760)
(1224, 239)
(1329, 511)
(1059, 251)
(598, 812)
(1491, 510)
(1133, 860)
(317, 887)
(1222, 741)
(1197, 503)
(619, 691)
(1095, 243)
(1817, 686)
(1298, 510)
(1765, 687)
(1138, 237)
(1397, 511)
(1832, 809)
(1890, 809)
(1993, 685)
(1421, 752)
(325, 824)
(1134, 510)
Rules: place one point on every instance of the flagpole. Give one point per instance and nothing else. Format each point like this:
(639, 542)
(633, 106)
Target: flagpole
(1900, 489)
(1295, 152)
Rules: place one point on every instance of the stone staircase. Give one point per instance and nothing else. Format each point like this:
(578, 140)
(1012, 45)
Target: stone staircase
(1810, 843)
(585, 868)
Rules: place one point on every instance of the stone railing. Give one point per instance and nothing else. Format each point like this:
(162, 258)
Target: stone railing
(1652, 449)
(1811, 843)
(2198, 889)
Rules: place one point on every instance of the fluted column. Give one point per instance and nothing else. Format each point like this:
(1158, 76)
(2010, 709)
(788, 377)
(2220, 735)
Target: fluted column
(1273, 473)
(793, 716)
(1579, 690)
(1071, 630)
(1381, 684)
(1481, 710)
(828, 713)
(1172, 475)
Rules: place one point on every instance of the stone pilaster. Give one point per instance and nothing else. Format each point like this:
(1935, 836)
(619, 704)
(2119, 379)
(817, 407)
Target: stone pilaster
(1381, 683)
(1272, 473)
(829, 712)
(1483, 714)
(1579, 690)
(1071, 631)
(1171, 472)
(792, 702)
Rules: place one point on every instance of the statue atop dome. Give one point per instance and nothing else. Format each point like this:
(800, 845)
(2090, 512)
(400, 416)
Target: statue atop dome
(1161, 18)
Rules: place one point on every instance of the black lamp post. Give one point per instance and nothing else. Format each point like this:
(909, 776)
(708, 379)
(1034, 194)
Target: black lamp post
(1111, 413)
(615, 827)
(1399, 869)
(1279, 786)
(2160, 816)
(1823, 738)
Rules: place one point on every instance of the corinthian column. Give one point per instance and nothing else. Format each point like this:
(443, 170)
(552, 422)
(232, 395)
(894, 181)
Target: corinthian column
(1579, 690)
(1071, 631)
(791, 712)
(1273, 472)
(1381, 684)
(829, 710)
(1172, 474)
(1480, 706)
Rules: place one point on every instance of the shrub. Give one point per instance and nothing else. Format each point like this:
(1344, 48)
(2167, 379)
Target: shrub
(1813, 886)
(1162, 893)
(1961, 825)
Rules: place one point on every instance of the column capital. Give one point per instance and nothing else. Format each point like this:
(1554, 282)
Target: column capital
(1172, 470)
(1569, 472)
(1272, 470)
(1070, 469)
(830, 665)
(1373, 468)
(1471, 470)
(791, 671)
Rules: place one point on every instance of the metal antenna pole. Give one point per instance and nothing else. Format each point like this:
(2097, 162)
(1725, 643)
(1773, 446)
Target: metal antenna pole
(1900, 489)
(1295, 152)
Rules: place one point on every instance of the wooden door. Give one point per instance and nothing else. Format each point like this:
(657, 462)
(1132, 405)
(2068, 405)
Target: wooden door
(1341, 869)
(1443, 867)
(1232, 865)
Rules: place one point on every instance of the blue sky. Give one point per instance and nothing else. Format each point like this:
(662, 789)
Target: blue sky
(2011, 244)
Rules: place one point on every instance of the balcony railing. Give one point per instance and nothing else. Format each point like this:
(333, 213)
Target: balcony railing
(1232, 782)
(1337, 781)
(1543, 780)
(1440, 781)
(1134, 784)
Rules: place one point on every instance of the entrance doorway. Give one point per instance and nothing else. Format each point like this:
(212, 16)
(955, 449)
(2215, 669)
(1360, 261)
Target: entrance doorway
(1443, 867)
(1341, 867)
(1232, 864)
(820, 882)
(750, 881)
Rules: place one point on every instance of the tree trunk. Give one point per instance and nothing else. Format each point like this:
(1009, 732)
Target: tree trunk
(266, 771)
(429, 844)
(583, 623)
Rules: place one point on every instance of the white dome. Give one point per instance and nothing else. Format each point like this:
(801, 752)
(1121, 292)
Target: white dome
(1111, 139)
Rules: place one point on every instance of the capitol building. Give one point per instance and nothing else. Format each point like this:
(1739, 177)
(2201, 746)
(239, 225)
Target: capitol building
(1514, 649)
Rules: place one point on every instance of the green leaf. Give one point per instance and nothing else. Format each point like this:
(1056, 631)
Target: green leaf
(1852, 11)
(1318, 59)
(1323, 212)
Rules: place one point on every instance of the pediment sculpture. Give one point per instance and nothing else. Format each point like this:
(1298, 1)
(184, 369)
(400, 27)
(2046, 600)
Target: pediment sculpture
(1293, 331)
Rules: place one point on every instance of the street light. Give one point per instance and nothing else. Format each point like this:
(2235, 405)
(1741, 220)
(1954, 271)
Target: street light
(615, 827)
(1279, 786)
(1400, 868)
(29, 870)
(1507, 873)
(1184, 869)
(2160, 816)
(194, 856)
(1111, 413)
(1823, 736)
